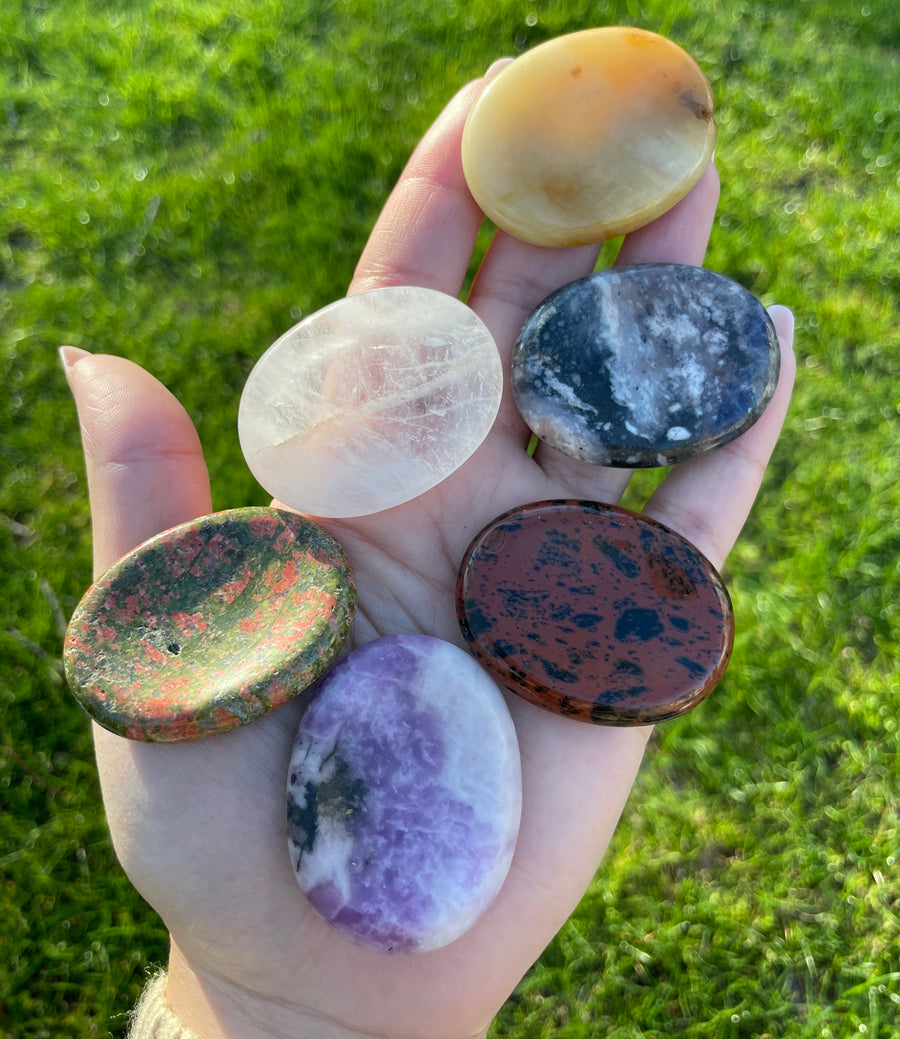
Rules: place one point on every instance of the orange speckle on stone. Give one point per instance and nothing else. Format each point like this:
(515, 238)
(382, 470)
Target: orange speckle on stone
(189, 622)
(285, 539)
(222, 719)
(174, 687)
(152, 653)
(75, 643)
(288, 577)
(232, 589)
(130, 608)
(266, 526)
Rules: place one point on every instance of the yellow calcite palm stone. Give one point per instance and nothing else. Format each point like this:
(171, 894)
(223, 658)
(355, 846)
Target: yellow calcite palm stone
(589, 136)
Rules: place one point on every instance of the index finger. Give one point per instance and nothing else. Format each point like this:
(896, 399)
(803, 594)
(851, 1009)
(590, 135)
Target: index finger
(427, 230)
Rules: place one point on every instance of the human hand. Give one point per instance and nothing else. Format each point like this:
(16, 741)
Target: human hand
(199, 827)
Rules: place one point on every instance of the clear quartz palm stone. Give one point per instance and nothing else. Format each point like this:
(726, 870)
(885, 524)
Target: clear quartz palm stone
(370, 402)
(588, 136)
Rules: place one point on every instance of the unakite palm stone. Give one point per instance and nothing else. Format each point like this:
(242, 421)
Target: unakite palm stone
(588, 136)
(210, 625)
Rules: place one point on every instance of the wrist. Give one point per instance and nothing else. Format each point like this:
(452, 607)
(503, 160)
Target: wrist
(207, 1007)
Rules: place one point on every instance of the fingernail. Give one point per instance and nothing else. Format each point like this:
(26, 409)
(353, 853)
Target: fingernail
(783, 315)
(69, 356)
(497, 66)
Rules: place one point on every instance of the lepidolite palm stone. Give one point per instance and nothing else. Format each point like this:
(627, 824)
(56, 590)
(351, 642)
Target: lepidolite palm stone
(210, 625)
(595, 612)
(404, 794)
(588, 136)
(370, 401)
(645, 365)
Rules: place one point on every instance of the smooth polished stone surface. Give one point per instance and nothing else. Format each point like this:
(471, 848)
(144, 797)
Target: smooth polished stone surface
(370, 402)
(588, 136)
(210, 625)
(404, 794)
(645, 365)
(594, 612)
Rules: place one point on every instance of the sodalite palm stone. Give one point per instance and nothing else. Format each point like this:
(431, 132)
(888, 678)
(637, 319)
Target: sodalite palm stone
(404, 794)
(370, 401)
(645, 365)
(594, 612)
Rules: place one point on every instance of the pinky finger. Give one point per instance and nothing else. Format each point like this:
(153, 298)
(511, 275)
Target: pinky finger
(708, 499)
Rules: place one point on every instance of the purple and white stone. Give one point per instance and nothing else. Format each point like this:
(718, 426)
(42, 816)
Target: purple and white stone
(404, 794)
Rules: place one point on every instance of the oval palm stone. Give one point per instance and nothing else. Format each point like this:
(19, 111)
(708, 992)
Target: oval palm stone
(404, 794)
(588, 136)
(210, 625)
(370, 402)
(595, 612)
(645, 365)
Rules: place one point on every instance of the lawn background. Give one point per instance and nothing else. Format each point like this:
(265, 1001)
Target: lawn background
(180, 182)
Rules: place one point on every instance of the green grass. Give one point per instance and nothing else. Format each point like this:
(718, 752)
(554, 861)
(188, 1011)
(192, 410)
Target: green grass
(179, 182)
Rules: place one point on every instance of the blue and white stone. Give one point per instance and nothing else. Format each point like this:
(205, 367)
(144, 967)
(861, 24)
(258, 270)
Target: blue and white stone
(645, 365)
(404, 794)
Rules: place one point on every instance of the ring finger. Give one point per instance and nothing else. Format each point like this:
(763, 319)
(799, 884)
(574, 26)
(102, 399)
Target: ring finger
(678, 236)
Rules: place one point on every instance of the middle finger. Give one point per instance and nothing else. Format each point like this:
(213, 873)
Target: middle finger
(678, 236)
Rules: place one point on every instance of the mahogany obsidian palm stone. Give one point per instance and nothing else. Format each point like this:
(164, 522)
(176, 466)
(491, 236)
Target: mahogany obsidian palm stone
(594, 612)
(210, 625)
(645, 365)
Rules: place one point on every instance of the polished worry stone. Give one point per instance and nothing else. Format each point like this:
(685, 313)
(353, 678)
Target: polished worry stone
(210, 625)
(588, 136)
(370, 402)
(594, 612)
(404, 794)
(645, 365)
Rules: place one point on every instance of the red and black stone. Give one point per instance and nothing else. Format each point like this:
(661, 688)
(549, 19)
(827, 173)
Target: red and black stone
(210, 625)
(595, 612)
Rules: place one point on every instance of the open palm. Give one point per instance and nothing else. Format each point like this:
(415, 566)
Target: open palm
(200, 827)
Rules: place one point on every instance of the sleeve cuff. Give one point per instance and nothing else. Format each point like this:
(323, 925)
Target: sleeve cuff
(153, 1018)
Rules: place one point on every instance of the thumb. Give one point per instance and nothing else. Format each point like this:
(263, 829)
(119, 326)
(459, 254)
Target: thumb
(145, 467)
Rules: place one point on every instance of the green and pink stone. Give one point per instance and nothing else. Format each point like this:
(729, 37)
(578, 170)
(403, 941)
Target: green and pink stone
(210, 625)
